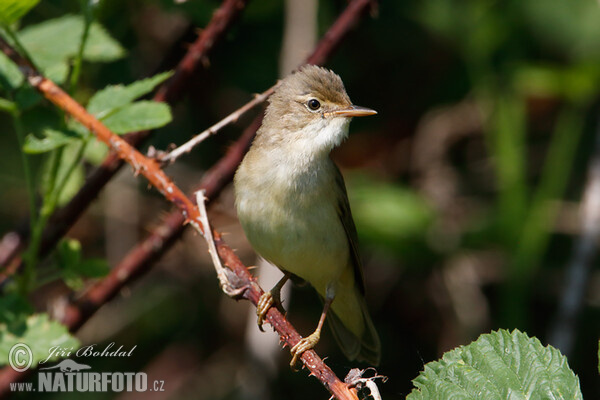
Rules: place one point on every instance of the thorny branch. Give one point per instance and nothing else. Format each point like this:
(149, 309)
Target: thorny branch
(152, 172)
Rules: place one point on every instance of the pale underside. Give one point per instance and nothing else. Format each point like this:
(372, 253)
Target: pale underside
(289, 211)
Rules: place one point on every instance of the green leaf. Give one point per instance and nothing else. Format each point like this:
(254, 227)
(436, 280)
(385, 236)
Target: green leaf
(138, 116)
(497, 366)
(52, 43)
(39, 333)
(74, 183)
(53, 139)
(113, 97)
(76, 178)
(10, 76)
(13, 10)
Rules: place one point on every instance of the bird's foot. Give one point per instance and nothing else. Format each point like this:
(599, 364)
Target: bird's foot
(305, 344)
(266, 301)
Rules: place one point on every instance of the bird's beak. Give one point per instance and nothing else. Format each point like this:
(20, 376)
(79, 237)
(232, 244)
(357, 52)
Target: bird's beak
(353, 111)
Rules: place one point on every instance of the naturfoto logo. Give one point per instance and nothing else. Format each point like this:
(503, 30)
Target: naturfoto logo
(69, 375)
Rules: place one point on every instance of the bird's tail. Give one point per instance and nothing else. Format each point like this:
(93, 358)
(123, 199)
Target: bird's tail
(357, 344)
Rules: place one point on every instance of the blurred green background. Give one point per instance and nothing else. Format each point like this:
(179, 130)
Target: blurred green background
(466, 188)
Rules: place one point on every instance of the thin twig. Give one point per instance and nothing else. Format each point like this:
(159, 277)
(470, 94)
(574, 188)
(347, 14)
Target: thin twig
(225, 276)
(231, 118)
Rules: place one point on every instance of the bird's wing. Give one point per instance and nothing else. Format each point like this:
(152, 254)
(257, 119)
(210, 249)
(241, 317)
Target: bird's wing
(348, 223)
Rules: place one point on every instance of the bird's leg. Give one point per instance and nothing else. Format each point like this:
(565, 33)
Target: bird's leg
(311, 341)
(270, 298)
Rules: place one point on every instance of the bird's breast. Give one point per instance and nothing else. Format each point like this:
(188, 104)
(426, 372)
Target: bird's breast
(290, 217)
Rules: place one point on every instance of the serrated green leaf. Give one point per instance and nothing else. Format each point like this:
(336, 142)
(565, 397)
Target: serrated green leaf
(138, 116)
(498, 366)
(41, 334)
(116, 96)
(10, 76)
(52, 43)
(53, 139)
(13, 10)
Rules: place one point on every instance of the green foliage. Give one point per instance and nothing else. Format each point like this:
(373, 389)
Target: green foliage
(499, 365)
(138, 116)
(53, 43)
(10, 76)
(52, 139)
(13, 10)
(18, 325)
(58, 47)
(68, 173)
(115, 106)
(114, 97)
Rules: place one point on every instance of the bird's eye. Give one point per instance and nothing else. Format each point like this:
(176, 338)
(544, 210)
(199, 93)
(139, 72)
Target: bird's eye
(314, 104)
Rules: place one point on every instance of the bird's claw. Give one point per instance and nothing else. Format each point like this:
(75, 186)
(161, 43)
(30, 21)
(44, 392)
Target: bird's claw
(264, 303)
(304, 344)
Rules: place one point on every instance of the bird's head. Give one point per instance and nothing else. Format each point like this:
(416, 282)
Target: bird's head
(310, 108)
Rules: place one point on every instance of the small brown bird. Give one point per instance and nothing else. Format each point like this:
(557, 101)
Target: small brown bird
(292, 203)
